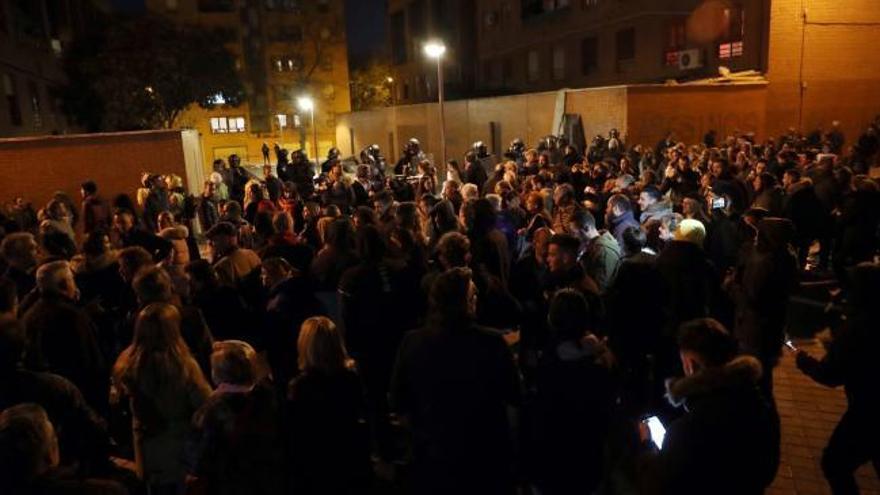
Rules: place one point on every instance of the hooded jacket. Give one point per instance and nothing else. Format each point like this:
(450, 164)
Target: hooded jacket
(601, 260)
(761, 290)
(727, 443)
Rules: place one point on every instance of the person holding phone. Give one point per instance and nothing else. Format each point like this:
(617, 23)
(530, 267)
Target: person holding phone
(727, 441)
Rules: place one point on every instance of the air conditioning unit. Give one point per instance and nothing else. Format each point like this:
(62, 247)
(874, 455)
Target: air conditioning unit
(689, 59)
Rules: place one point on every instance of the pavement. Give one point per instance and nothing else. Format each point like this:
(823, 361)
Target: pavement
(809, 413)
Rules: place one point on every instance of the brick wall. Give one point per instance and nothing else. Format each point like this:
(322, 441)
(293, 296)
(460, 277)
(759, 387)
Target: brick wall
(839, 41)
(691, 111)
(34, 168)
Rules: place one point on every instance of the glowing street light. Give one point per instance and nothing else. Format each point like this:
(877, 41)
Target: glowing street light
(436, 49)
(307, 104)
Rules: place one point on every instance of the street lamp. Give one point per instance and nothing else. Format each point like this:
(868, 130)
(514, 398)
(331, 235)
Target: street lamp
(307, 104)
(390, 81)
(435, 50)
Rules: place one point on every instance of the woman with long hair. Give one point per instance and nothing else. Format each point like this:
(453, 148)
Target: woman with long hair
(165, 386)
(329, 442)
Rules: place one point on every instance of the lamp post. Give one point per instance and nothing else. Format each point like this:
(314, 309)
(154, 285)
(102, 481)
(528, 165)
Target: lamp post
(390, 81)
(435, 50)
(307, 104)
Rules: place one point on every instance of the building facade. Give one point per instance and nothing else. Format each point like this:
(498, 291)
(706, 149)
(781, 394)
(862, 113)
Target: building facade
(517, 46)
(284, 50)
(411, 23)
(33, 36)
(539, 45)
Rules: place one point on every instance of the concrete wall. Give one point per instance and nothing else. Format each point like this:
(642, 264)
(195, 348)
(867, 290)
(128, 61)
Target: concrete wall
(836, 43)
(691, 111)
(35, 167)
(643, 114)
(526, 116)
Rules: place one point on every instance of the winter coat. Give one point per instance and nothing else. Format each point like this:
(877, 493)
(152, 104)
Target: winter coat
(851, 361)
(570, 416)
(82, 434)
(771, 199)
(690, 281)
(618, 224)
(235, 447)
(96, 214)
(804, 208)
(727, 443)
(328, 441)
(289, 304)
(233, 268)
(455, 385)
(601, 260)
(761, 290)
(62, 340)
(158, 247)
(209, 215)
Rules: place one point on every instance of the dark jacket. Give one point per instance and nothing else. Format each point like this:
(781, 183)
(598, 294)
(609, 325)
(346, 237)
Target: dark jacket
(771, 199)
(209, 214)
(24, 281)
(158, 247)
(235, 445)
(492, 253)
(618, 224)
(455, 386)
(328, 439)
(851, 361)
(82, 434)
(570, 418)
(691, 282)
(809, 215)
(727, 443)
(62, 340)
(96, 214)
(289, 304)
(761, 290)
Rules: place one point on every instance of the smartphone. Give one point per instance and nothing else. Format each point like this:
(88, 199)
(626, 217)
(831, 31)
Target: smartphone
(719, 203)
(656, 430)
(790, 345)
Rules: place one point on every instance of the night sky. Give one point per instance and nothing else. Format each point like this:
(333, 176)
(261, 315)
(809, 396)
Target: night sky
(364, 26)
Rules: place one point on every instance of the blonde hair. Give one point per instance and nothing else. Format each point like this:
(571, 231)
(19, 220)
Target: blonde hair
(320, 346)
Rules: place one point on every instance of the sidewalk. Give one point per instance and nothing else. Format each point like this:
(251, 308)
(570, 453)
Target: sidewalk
(809, 414)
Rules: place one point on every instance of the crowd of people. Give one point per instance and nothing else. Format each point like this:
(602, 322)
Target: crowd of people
(510, 331)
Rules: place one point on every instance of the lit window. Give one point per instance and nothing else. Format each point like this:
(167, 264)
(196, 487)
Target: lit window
(730, 50)
(223, 125)
(731, 43)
